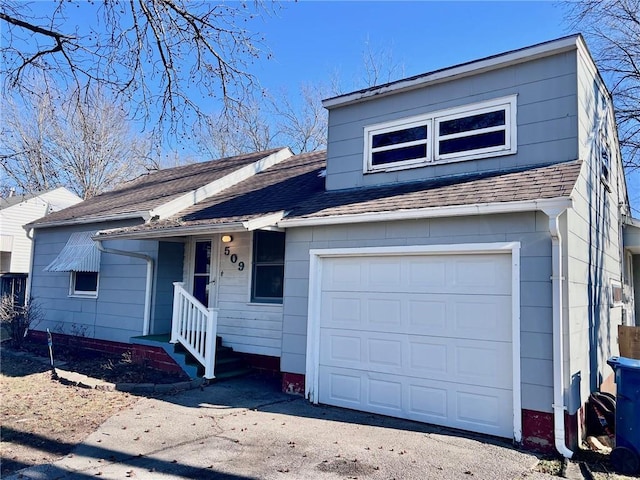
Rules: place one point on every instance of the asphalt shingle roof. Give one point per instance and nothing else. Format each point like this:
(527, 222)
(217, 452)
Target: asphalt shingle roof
(280, 187)
(492, 187)
(150, 191)
(296, 186)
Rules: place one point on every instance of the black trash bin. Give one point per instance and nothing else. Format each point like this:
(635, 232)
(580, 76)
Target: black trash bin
(625, 458)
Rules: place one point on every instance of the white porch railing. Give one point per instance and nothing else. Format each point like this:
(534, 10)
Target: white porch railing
(195, 327)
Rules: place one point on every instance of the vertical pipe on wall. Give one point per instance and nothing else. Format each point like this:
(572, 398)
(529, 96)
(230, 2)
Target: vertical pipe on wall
(557, 280)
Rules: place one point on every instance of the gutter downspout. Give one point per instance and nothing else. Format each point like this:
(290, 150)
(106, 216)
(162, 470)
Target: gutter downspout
(27, 290)
(557, 280)
(148, 285)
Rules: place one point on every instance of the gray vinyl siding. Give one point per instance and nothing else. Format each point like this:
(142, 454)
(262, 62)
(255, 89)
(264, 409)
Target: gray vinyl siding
(168, 270)
(117, 312)
(244, 326)
(530, 229)
(593, 251)
(546, 121)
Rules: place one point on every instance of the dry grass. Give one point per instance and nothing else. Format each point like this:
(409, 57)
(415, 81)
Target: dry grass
(42, 419)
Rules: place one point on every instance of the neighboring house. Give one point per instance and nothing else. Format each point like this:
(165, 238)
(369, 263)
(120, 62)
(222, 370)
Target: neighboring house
(457, 260)
(15, 245)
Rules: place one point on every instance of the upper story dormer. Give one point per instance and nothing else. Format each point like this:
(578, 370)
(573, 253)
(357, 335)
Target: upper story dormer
(515, 110)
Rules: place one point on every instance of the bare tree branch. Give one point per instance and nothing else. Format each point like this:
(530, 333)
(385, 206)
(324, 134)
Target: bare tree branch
(165, 59)
(612, 28)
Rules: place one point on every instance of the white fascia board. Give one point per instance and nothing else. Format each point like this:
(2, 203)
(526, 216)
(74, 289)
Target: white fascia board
(191, 198)
(171, 232)
(144, 215)
(432, 212)
(472, 68)
(630, 221)
(270, 220)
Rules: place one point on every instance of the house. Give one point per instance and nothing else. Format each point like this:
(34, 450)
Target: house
(456, 257)
(15, 244)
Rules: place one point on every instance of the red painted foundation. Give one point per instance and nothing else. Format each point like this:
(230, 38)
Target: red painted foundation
(293, 383)
(264, 364)
(155, 357)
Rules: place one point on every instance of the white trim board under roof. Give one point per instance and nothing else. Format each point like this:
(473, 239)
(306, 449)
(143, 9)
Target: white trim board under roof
(474, 67)
(431, 212)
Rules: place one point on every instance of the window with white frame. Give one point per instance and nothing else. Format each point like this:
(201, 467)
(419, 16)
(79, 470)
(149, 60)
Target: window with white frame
(472, 131)
(84, 284)
(268, 267)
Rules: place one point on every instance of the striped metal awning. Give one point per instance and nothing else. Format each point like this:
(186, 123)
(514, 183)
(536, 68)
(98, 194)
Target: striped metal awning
(80, 254)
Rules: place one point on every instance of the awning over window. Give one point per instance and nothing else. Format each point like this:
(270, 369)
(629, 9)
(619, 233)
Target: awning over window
(80, 254)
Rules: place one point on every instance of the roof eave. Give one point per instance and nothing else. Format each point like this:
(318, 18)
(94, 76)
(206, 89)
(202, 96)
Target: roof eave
(171, 232)
(561, 203)
(514, 57)
(144, 215)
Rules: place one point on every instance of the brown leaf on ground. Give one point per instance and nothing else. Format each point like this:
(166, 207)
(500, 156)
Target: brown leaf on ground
(42, 419)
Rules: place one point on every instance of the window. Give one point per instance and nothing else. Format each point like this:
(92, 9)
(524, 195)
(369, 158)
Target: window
(407, 145)
(616, 294)
(84, 284)
(268, 267)
(473, 131)
(605, 157)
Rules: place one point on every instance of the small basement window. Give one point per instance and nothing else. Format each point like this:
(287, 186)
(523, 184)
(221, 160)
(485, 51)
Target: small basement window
(268, 267)
(84, 284)
(473, 131)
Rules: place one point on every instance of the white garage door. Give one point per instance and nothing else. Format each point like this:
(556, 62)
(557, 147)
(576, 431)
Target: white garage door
(423, 337)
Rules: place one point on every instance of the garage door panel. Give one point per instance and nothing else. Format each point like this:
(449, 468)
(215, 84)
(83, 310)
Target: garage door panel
(489, 273)
(471, 362)
(417, 274)
(461, 316)
(483, 363)
(342, 387)
(484, 410)
(482, 317)
(423, 337)
(385, 352)
(444, 403)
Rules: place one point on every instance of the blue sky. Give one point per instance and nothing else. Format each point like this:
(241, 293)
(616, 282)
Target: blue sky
(311, 40)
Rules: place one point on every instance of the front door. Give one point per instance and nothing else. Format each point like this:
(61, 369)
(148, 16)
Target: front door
(204, 272)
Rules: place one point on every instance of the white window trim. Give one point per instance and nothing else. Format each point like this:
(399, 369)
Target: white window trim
(613, 284)
(432, 120)
(79, 293)
(420, 121)
(261, 300)
(317, 257)
(509, 127)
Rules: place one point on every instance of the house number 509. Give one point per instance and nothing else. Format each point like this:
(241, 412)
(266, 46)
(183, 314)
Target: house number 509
(234, 258)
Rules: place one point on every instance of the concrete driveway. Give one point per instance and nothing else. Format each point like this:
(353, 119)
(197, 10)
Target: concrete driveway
(248, 429)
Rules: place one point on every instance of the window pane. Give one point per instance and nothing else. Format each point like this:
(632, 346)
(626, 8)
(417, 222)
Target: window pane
(472, 142)
(201, 289)
(473, 122)
(203, 257)
(86, 281)
(268, 281)
(399, 136)
(269, 247)
(399, 155)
